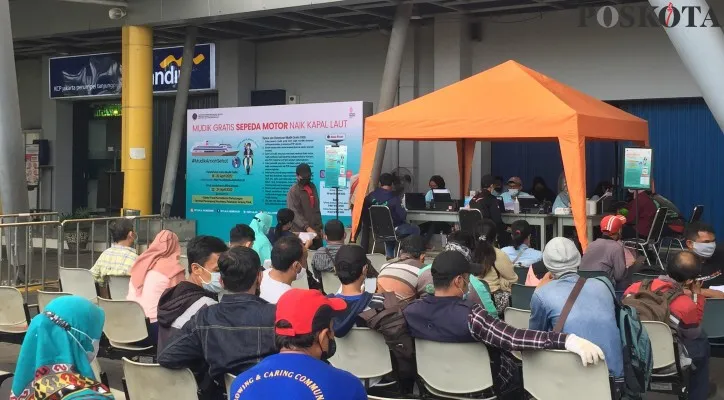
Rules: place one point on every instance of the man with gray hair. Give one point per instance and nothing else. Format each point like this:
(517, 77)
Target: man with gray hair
(565, 302)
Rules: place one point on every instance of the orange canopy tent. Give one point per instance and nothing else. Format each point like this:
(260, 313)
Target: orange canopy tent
(509, 102)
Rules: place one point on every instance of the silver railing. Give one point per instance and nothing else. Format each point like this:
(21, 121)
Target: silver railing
(20, 238)
(85, 232)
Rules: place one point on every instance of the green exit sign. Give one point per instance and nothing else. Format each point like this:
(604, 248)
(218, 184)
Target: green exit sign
(107, 110)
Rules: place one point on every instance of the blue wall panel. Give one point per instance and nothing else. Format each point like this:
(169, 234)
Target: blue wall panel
(688, 156)
(688, 146)
(530, 159)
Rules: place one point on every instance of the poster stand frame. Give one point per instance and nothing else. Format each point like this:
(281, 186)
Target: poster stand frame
(637, 188)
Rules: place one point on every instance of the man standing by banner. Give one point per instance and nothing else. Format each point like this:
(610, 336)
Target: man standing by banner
(303, 199)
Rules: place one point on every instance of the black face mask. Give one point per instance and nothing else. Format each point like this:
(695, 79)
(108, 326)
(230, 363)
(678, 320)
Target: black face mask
(332, 348)
(304, 181)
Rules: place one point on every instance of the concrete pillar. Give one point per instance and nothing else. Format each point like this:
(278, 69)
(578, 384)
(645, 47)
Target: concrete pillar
(237, 72)
(57, 125)
(137, 124)
(13, 190)
(400, 153)
(452, 63)
(701, 49)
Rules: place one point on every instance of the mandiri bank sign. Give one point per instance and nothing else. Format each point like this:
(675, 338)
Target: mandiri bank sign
(99, 75)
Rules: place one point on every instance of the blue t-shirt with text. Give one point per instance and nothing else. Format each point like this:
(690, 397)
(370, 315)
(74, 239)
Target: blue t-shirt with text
(296, 376)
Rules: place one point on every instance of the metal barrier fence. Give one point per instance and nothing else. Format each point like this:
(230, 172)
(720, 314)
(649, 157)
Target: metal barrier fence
(85, 232)
(23, 238)
(20, 264)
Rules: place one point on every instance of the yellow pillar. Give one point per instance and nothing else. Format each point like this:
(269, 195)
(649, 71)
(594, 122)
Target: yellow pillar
(137, 128)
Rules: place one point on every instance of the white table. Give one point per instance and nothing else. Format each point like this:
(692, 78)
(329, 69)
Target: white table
(540, 220)
(432, 216)
(567, 220)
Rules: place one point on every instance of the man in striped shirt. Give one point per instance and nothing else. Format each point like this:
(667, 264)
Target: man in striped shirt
(400, 276)
(118, 259)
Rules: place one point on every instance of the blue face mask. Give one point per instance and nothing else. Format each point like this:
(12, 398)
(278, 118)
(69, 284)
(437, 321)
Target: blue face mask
(214, 285)
(513, 192)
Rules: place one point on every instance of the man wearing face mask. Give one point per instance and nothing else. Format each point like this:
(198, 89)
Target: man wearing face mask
(305, 339)
(303, 199)
(701, 240)
(178, 304)
(491, 208)
(288, 259)
(449, 317)
(515, 191)
(686, 306)
(229, 337)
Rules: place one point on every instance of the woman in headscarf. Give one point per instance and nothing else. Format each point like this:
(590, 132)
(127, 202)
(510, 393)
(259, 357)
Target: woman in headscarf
(563, 200)
(56, 355)
(285, 217)
(541, 191)
(261, 224)
(154, 271)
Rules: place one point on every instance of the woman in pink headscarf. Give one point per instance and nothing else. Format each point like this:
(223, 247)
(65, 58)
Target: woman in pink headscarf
(154, 271)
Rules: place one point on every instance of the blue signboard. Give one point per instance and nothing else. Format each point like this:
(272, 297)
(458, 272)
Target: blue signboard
(94, 75)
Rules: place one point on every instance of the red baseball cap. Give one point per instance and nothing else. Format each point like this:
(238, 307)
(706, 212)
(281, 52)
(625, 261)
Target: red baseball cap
(306, 311)
(612, 223)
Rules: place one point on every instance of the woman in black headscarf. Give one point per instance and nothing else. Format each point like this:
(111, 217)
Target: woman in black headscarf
(541, 191)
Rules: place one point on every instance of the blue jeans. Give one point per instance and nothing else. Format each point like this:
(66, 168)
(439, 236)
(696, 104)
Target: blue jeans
(699, 351)
(402, 231)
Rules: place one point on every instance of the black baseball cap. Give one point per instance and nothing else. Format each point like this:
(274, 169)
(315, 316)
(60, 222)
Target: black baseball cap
(487, 181)
(451, 263)
(304, 170)
(351, 256)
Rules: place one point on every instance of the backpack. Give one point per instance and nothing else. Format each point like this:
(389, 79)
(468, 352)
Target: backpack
(654, 305)
(391, 323)
(636, 346)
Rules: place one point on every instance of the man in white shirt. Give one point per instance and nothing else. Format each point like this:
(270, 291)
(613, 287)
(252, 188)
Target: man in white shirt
(288, 258)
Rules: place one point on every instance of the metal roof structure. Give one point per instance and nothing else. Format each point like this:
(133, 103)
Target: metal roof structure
(298, 23)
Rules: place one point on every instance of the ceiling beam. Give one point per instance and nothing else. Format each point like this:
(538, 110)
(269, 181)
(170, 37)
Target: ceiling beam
(326, 18)
(305, 21)
(111, 3)
(261, 25)
(311, 32)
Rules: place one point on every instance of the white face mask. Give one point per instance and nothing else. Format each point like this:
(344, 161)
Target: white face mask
(95, 343)
(302, 274)
(704, 250)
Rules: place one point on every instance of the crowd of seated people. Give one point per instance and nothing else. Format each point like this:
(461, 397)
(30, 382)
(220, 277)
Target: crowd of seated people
(261, 324)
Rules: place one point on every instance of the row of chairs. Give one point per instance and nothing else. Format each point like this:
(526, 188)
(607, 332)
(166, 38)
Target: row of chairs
(669, 376)
(126, 324)
(446, 370)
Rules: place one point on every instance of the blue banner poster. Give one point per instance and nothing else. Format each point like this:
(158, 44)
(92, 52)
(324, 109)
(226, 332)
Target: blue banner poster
(243, 160)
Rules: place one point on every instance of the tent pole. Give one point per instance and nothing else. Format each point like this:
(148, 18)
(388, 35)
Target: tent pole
(701, 48)
(391, 78)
